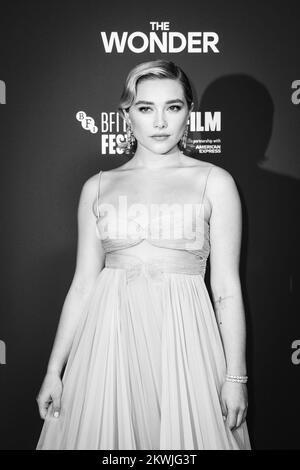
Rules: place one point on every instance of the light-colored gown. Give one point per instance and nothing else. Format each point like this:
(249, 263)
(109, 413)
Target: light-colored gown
(147, 362)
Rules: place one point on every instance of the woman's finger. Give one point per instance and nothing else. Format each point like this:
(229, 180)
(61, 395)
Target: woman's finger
(239, 418)
(231, 418)
(43, 406)
(224, 410)
(56, 406)
(245, 414)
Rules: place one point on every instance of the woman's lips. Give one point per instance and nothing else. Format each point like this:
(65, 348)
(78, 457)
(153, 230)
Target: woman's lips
(161, 137)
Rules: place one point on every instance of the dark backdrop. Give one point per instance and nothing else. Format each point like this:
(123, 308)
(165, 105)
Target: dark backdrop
(53, 64)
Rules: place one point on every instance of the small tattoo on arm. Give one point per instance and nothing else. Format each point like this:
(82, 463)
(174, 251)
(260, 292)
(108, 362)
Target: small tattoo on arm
(220, 306)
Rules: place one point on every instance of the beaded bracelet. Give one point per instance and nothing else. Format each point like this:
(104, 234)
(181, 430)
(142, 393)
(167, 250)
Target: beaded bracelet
(236, 378)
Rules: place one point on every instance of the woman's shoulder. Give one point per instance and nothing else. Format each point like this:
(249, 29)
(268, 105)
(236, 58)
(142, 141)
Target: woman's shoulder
(219, 175)
(216, 172)
(89, 191)
(90, 187)
(91, 183)
(220, 183)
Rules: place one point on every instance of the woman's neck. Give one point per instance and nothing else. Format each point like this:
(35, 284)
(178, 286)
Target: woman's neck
(152, 161)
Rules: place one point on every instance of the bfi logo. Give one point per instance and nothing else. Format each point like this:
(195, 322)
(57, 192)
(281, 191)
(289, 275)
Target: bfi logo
(2, 352)
(2, 92)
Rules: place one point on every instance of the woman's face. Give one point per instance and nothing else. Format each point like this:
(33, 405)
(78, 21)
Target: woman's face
(160, 108)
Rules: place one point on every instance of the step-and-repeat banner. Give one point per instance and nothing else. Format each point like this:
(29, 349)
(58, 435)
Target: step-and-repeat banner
(62, 70)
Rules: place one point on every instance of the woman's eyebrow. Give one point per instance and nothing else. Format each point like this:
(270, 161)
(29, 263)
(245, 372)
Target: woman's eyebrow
(167, 102)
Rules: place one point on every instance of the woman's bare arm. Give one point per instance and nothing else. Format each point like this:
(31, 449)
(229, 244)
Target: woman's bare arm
(225, 238)
(89, 262)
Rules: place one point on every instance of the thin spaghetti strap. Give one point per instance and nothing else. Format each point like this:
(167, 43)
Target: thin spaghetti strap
(98, 193)
(203, 192)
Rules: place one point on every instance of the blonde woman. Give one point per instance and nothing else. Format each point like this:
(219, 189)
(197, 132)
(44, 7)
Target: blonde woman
(150, 362)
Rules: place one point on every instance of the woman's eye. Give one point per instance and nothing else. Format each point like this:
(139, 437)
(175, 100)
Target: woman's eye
(178, 108)
(175, 107)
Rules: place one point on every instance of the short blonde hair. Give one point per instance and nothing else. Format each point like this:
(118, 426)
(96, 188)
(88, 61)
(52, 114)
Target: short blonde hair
(148, 70)
(154, 69)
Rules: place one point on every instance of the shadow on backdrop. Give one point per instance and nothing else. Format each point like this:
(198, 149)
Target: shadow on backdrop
(269, 255)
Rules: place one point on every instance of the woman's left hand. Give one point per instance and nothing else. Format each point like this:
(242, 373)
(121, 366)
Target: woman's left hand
(234, 403)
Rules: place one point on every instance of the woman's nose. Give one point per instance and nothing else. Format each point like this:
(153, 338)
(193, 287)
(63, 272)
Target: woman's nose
(160, 120)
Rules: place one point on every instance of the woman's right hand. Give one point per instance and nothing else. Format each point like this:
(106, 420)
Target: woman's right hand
(50, 391)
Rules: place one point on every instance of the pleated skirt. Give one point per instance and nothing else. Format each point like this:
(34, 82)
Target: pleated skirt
(145, 370)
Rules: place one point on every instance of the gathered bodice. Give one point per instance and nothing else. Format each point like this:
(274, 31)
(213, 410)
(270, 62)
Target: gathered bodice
(124, 232)
(184, 228)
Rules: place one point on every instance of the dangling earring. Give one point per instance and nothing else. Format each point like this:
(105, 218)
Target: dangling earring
(184, 137)
(130, 138)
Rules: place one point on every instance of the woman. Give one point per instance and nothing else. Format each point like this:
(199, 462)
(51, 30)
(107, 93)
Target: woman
(149, 363)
